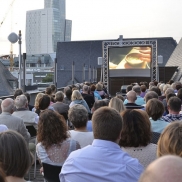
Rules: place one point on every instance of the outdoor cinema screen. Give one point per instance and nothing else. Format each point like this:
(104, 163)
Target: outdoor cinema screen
(129, 61)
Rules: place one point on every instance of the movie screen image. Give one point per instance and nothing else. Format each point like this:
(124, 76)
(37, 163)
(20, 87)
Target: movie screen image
(130, 57)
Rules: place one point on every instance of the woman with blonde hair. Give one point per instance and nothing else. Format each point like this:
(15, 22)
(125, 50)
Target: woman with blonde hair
(170, 141)
(78, 99)
(117, 104)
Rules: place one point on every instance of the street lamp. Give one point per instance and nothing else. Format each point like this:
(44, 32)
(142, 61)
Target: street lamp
(13, 38)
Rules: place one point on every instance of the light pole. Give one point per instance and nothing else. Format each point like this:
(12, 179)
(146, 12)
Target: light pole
(13, 38)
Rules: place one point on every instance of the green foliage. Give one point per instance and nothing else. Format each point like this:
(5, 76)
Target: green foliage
(48, 78)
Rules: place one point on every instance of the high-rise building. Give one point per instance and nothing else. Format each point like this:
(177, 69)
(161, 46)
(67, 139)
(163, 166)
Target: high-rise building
(46, 27)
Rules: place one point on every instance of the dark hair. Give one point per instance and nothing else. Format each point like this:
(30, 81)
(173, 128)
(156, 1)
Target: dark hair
(136, 129)
(53, 87)
(48, 91)
(52, 128)
(156, 89)
(18, 92)
(78, 116)
(178, 87)
(168, 96)
(98, 104)
(155, 108)
(2, 176)
(15, 157)
(92, 87)
(107, 124)
(155, 83)
(150, 95)
(28, 96)
(129, 88)
(68, 93)
(44, 102)
(174, 103)
(143, 88)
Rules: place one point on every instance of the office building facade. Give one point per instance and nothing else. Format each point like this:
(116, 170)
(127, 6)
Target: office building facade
(46, 27)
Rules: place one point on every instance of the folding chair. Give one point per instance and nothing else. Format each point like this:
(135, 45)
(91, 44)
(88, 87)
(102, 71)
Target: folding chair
(51, 173)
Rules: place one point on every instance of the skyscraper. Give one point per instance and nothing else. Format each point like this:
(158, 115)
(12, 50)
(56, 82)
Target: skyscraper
(45, 27)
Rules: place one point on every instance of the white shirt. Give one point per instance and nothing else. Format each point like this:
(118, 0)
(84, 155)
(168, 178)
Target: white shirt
(83, 138)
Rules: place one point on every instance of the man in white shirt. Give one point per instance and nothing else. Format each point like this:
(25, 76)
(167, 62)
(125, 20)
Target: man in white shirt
(103, 160)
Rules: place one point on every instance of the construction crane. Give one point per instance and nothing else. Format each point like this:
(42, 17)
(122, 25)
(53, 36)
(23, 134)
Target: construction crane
(11, 46)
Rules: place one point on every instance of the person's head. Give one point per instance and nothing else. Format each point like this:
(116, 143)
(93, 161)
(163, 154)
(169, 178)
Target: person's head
(170, 141)
(59, 96)
(179, 94)
(174, 105)
(150, 95)
(155, 109)
(136, 130)
(143, 88)
(68, 93)
(107, 124)
(52, 128)
(21, 102)
(99, 87)
(156, 89)
(28, 96)
(7, 105)
(137, 89)
(131, 96)
(44, 102)
(169, 91)
(119, 96)
(129, 88)
(98, 104)
(166, 168)
(178, 87)
(48, 91)
(53, 88)
(39, 95)
(166, 86)
(168, 96)
(78, 116)
(76, 95)
(117, 104)
(92, 87)
(85, 89)
(15, 157)
(18, 92)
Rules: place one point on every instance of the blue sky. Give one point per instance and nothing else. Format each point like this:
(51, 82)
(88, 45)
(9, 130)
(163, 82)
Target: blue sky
(102, 19)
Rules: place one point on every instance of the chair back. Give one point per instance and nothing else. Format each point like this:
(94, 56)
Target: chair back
(51, 173)
(31, 129)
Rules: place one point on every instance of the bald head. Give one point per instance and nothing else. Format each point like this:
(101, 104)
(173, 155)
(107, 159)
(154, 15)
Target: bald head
(131, 96)
(165, 169)
(7, 105)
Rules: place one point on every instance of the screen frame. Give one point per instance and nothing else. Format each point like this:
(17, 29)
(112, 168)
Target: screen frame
(130, 42)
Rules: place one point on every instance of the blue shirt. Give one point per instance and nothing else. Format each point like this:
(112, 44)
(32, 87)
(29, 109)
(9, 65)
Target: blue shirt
(102, 161)
(139, 101)
(158, 125)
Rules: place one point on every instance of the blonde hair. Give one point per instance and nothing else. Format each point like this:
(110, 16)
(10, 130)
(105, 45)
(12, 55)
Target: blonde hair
(38, 97)
(170, 141)
(76, 95)
(117, 104)
(99, 87)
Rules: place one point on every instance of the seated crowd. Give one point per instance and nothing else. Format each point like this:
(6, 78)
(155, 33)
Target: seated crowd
(130, 137)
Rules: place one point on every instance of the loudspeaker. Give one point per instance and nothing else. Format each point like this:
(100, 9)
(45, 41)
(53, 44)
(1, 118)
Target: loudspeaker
(100, 60)
(13, 37)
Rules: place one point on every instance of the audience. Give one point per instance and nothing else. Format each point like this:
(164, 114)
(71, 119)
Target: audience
(131, 98)
(150, 95)
(99, 89)
(21, 103)
(89, 98)
(15, 158)
(170, 141)
(155, 110)
(117, 104)
(17, 93)
(28, 98)
(136, 136)
(36, 104)
(54, 144)
(68, 93)
(174, 108)
(48, 92)
(78, 116)
(13, 122)
(59, 106)
(164, 169)
(143, 91)
(78, 99)
(103, 160)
